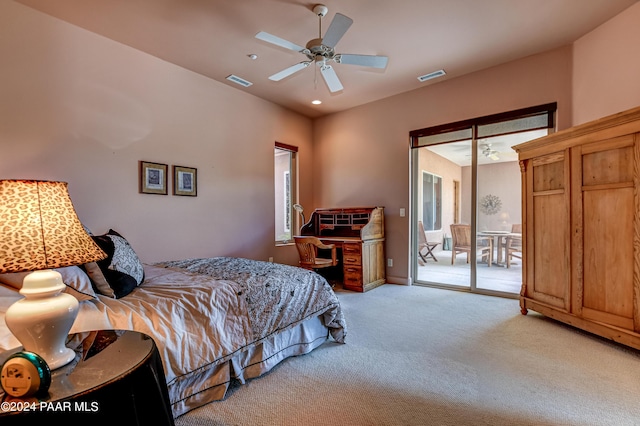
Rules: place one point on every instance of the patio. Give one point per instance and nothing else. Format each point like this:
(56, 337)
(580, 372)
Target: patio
(495, 278)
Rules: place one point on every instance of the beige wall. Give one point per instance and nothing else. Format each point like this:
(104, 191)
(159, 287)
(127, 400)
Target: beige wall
(606, 70)
(503, 181)
(78, 107)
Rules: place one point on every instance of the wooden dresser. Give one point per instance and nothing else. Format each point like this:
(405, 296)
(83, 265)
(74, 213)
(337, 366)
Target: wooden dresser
(581, 226)
(358, 233)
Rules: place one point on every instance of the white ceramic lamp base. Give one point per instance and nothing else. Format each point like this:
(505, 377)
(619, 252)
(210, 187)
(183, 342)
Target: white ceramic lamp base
(42, 320)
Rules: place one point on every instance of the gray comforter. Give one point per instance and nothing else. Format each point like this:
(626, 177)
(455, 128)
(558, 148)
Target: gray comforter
(277, 296)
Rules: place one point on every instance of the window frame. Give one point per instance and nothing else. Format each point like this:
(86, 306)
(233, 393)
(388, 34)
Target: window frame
(436, 192)
(285, 222)
(465, 129)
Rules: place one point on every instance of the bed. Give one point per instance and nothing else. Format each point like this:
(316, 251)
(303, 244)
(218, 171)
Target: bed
(214, 320)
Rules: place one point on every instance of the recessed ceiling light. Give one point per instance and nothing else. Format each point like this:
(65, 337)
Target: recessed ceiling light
(316, 102)
(253, 56)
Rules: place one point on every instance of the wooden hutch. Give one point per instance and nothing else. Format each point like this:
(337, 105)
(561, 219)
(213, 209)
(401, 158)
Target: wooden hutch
(581, 226)
(358, 233)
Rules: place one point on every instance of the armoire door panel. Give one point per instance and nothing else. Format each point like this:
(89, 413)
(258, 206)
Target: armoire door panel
(551, 250)
(608, 167)
(608, 232)
(548, 173)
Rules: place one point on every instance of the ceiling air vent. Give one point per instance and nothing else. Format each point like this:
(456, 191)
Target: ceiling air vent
(431, 75)
(238, 80)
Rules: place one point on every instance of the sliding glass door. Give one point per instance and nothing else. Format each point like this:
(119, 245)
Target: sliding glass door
(452, 204)
(499, 210)
(466, 202)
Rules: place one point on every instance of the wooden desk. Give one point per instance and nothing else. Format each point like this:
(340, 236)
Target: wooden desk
(362, 262)
(358, 233)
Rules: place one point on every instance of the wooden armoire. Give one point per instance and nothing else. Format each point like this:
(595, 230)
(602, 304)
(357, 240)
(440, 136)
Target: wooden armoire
(581, 226)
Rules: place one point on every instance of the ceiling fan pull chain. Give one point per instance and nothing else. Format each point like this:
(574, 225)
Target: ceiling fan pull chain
(315, 77)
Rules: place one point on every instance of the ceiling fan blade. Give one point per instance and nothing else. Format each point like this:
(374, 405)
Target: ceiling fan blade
(364, 60)
(270, 38)
(331, 78)
(288, 71)
(336, 30)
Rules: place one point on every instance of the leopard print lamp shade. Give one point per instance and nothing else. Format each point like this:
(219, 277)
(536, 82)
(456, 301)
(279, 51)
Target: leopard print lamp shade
(39, 228)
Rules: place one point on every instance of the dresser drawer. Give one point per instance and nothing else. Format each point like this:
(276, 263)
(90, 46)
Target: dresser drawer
(351, 249)
(352, 276)
(352, 259)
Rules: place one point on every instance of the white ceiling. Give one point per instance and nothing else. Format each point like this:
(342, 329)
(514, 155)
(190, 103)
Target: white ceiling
(215, 37)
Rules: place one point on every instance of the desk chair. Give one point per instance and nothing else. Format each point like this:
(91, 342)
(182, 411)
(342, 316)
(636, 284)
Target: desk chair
(423, 244)
(461, 236)
(308, 251)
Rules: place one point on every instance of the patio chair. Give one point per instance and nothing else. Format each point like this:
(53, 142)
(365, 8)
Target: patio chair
(423, 244)
(461, 235)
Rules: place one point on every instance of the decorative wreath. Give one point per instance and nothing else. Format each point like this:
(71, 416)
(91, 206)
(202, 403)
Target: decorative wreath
(490, 204)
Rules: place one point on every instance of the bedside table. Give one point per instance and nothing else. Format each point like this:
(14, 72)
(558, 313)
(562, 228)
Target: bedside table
(116, 376)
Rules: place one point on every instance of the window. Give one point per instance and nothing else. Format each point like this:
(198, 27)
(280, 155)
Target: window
(432, 202)
(285, 191)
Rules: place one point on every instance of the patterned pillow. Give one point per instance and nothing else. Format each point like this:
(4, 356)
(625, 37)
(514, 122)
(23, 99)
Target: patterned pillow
(121, 272)
(77, 282)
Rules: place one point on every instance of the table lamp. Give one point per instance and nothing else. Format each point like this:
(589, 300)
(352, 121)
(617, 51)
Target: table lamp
(504, 221)
(39, 230)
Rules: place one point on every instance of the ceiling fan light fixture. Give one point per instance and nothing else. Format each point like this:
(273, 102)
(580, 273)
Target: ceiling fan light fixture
(431, 75)
(488, 152)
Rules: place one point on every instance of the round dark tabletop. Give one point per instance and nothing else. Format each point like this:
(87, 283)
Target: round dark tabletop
(115, 373)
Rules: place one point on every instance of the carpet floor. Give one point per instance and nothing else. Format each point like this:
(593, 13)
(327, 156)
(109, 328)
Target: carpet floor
(425, 356)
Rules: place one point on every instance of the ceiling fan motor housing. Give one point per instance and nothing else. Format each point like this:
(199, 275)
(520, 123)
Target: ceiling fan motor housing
(320, 10)
(318, 51)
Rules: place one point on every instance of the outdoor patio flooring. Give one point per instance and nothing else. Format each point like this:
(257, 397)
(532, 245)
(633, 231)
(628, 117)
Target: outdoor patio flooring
(496, 277)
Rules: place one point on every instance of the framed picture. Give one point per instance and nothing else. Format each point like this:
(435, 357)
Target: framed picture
(153, 178)
(185, 181)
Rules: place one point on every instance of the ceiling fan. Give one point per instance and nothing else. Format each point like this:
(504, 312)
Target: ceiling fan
(489, 153)
(321, 50)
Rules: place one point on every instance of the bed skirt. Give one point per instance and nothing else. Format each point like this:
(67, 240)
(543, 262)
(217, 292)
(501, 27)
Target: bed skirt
(251, 363)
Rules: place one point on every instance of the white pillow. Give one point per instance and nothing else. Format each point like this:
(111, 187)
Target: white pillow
(77, 282)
